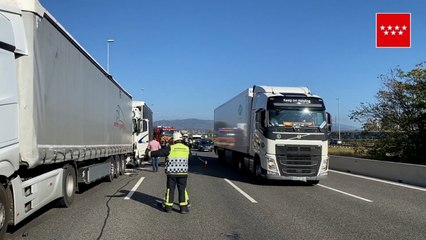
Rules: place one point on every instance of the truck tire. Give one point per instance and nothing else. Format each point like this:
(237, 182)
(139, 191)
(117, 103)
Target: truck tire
(4, 211)
(117, 167)
(68, 186)
(257, 171)
(240, 165)
(111, 175)
(122, 164)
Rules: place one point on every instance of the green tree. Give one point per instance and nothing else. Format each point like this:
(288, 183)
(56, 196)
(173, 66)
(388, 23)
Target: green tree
(399, 116)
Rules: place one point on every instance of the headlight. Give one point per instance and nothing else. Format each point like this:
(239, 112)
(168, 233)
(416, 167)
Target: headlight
(270, 162)
(324, 166)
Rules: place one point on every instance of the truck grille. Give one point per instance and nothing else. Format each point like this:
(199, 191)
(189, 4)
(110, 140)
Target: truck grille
(298, 160)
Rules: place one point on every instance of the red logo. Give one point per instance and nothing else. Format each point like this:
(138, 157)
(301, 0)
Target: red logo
(393, 30)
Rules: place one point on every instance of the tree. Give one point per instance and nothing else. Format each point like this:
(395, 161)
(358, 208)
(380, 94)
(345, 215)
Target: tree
(399, 115)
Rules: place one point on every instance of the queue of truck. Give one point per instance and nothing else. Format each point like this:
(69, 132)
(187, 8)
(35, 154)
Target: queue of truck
(66, 121)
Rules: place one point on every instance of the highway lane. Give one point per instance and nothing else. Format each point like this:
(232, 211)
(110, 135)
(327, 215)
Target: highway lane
(283, 210)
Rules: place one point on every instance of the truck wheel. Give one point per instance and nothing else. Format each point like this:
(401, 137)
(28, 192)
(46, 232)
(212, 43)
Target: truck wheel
(110, 177)
(4, 211)
(68, 186)
(117, 167)
(241, 166)
(122, 163)
(257, 170)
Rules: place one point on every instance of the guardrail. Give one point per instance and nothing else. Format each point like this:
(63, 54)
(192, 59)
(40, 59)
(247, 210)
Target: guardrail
(399, 172)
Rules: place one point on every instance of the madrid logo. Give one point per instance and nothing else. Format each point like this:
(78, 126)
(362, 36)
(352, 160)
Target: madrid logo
(393, 30)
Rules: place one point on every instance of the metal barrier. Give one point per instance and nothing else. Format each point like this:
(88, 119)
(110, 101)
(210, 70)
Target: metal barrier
(399, 172)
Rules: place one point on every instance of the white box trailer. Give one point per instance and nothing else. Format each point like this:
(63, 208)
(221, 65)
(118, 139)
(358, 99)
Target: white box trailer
(275, 132)
(64, 119)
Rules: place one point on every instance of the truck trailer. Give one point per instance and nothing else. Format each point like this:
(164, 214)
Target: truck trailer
(278, 133)
(64, 120)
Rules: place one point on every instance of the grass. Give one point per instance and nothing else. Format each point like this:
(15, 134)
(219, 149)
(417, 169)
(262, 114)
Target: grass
(360, 152)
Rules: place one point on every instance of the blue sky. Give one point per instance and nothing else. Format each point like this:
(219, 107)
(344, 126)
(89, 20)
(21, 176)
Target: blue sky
(190, 56)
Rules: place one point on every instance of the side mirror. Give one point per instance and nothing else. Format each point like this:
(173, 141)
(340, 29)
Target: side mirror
(260, 119)
(328, 119)
(135, 125)
(144, 125)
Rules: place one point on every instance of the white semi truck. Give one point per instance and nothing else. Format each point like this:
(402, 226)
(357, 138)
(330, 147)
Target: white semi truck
(275, 132)
(64, 119)
(142, 131)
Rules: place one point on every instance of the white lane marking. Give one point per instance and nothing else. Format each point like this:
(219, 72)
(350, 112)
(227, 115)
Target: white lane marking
(352, 195)
(380, 180)
(129, 195)
(241, 191)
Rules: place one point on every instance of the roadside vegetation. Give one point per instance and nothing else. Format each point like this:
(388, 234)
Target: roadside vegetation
(351, 148)
(398, 117)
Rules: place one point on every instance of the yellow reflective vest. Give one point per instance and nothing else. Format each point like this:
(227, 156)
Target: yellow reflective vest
(177, 163)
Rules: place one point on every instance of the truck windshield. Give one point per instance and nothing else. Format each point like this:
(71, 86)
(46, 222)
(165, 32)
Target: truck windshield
(168, 132)
(304, 117)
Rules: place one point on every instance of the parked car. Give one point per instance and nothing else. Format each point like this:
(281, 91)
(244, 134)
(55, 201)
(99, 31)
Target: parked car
(205, 145)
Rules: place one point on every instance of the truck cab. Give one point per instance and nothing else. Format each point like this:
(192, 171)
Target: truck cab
(290, 134)
(142, 129)
(11, 47)
(11, 27)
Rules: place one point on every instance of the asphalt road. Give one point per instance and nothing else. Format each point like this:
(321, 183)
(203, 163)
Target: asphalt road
(342, 206)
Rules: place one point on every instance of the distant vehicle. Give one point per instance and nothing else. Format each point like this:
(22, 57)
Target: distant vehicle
(274, 132)
(195, 144)
(205, 145)
(196, 137)
(335, 142)
(193, 139)
(164, 134)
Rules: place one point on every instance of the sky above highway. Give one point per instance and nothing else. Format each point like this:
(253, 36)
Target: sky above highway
(186, 57)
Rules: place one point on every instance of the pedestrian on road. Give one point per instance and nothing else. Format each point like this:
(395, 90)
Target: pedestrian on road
(176, 169)
(154, 145)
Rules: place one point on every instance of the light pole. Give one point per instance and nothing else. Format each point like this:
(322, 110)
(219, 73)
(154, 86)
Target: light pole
(338, 117)
(108, 42)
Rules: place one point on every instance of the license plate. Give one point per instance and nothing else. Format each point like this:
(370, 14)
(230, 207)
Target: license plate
(299, 179)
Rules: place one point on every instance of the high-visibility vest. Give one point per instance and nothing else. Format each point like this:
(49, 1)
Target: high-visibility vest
(178, 160)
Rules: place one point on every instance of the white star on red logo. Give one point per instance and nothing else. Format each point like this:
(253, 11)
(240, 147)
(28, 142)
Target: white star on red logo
(397, 29)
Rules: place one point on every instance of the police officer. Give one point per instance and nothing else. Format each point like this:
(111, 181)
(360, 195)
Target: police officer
(177, 173)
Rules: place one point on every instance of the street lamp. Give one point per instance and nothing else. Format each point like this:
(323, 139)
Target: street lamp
(108, 42)
(338, 117)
